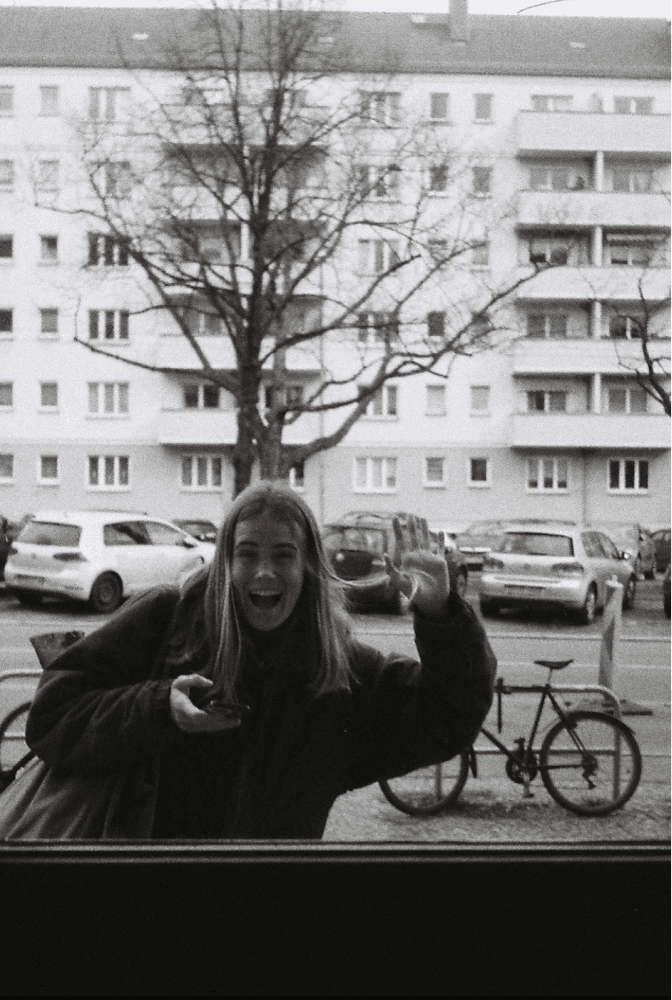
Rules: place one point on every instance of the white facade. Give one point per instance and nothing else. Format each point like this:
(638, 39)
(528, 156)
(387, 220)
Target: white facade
(547, 425)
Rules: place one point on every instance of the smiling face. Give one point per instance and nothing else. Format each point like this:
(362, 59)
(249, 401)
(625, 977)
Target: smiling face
(267, 569)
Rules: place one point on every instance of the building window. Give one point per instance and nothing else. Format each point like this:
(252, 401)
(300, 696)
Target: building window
(547, 475)
(633, 105)
(546, 401)
(635, 180)
(438, 251)
(48, 395)
(435, 404)
(108, 324)
(628, 475)
(200, 396)
(438, 107)
(6, 100)
(108, 251)
(296, 477)
(625, 327)
(551, 102)
(6, 247)
(435, 472)
(6, 175)
(479, 472)
(48, 470)
(378, 256)
(202, 472)
(47, 175)
(377, 328)
(117, 178)
(6, 395)
(626, 399)
(48, 101)
(550, 250)
(6, 468)
(483, 107)
(380, 108)
(551, 326)
(436, 325)
(108, 399)
(480, 399)
(108, 104)
(375, 475)
(636, 251)
(438, 178)
(378, 182)
(550, 178)
(481, 180)
(49, 322)
(108, 472)
(6, 322)
(480, 255)
(383, 402)
(49, 249)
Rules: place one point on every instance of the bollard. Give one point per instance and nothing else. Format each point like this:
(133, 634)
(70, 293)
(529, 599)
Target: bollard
(611, 633)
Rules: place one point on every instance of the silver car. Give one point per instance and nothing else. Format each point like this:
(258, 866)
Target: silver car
(553, 565)
(99, 556)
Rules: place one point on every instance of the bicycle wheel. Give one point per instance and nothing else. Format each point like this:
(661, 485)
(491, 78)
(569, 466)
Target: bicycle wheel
(429, 789)
(592, 764)
(12, 737)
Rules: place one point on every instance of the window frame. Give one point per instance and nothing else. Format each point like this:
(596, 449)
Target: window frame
(7, 334)
(548, 393)
(7, 185)
(42, 182)
(387, 114)
(49, 334)
(372, 250)
(388, 462)
(440, 118)
(386, 398)
(209, 459)
(540, 488)
(201, 388)
(551, 100)
(10, 479)
(54, 90)
(7, 407)
(628, 390)
(478, 483)
(43, 480)
(9, 91)
(102, 486)
(434, 484)
(119, 324)
(48, 407)
(485, 173)
(106, 251)
(109, 103)
(475, 411)
(548, 318)
(49, 254)
(431, 392)
(623, 490)
(488, 117)
(101, 392)
(7, 238)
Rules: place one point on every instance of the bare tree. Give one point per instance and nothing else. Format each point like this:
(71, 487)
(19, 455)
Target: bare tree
(267, 201)
(647, 324)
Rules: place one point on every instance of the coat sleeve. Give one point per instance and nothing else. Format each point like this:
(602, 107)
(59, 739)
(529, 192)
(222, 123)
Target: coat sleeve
(404, 714)
(98, 705)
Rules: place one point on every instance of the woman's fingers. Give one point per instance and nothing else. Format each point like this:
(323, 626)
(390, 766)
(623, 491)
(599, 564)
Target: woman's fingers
(187, 716)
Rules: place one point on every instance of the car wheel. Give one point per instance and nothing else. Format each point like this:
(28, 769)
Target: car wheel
(29, 598)
(461, 584)
(489, 609)
(651, 573)
(629, 593)
(106, 593)
(586, 615)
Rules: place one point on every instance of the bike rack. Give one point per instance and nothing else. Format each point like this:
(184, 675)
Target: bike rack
(9, 675)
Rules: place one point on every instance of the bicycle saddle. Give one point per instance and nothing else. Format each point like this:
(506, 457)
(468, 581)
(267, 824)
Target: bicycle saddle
(554, 664)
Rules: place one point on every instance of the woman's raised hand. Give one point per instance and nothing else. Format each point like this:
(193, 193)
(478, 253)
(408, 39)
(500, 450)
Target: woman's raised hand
(187, 716)
(423, 578)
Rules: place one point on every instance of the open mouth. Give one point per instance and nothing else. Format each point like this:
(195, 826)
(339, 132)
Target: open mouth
(265, 602)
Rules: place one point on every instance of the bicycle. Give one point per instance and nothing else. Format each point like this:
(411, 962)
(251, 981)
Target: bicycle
(589, 761)
(14, 753)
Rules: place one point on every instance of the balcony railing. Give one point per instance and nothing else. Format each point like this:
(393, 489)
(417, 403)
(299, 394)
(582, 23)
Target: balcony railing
(607, 284)
(593, 208)
(586, 132)
(590, 430)
(586, 356)
(212, 427)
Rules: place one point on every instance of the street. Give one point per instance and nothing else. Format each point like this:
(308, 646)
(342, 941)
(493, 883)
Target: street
(490, 807)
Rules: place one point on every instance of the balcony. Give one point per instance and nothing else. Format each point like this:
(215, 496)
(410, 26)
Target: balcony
(213, 428)
(580, 357)
(593, 208)
(607, 284)
(174, 351)
(585, 132)
(590, 430)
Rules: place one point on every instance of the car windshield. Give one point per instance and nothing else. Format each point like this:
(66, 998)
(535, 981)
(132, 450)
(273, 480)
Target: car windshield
(623, 534)
(534, 544)
(363, 539)
(48, 533)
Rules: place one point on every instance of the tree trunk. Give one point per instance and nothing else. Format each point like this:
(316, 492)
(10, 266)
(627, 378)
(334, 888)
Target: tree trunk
(244, 452)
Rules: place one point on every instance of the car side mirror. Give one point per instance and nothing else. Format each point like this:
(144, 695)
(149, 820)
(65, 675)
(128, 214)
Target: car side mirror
(623, 554)
(189, 543)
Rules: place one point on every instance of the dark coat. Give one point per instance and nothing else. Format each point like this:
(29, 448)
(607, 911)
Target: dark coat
(103, 705)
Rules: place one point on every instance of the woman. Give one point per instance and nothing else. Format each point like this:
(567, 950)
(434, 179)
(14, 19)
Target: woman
(315, 713)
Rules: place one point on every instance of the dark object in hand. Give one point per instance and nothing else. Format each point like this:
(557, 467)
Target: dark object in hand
(213, 703)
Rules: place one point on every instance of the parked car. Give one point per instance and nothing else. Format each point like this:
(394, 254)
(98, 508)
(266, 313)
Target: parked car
(661, 545)
(357, 544)
(204, 531)
(99, 556)
(636, 541)
(477, 540)
(666, 591)
(444, 544)
(553, 565)
(9, 530)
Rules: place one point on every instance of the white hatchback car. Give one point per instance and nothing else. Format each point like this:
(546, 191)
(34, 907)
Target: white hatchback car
(99, 556)
(553, 564)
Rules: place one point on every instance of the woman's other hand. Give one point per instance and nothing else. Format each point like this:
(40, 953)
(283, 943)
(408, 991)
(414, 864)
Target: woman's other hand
(187, 716)
(424, 579)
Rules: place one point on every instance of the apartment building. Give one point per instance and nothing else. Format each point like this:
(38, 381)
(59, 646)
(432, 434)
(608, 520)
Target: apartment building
(566, 123)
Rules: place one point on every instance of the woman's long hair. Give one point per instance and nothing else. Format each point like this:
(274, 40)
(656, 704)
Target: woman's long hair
(208, 623)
